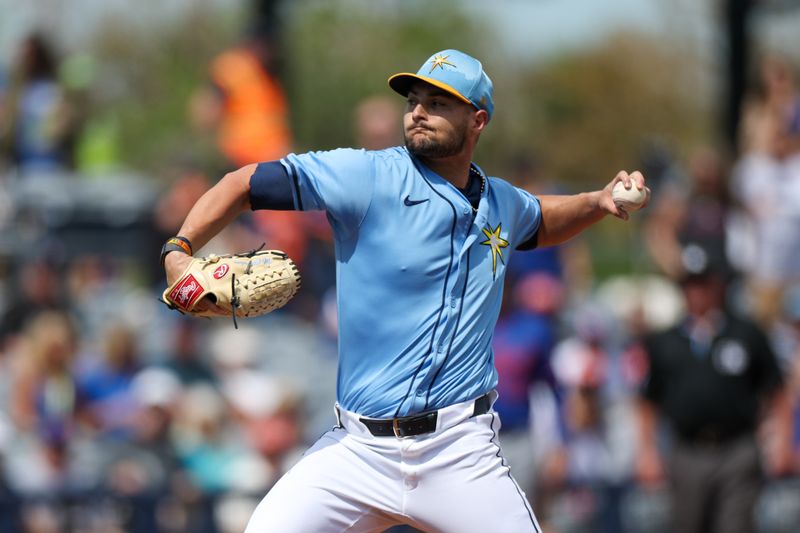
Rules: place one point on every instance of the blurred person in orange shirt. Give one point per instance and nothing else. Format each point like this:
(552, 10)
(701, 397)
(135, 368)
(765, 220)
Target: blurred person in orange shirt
(244, 103)
(245, 106)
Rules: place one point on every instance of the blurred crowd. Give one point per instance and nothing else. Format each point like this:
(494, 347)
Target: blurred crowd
(117, 414)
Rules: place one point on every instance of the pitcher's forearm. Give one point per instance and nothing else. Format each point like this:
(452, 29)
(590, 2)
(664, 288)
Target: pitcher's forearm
(218, 207)
(564, 217)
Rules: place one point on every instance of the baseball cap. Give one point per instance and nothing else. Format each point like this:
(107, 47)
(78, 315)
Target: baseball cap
(699, 263)
(455, 72)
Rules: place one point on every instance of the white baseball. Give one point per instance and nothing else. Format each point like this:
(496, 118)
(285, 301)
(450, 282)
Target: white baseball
(628, 199)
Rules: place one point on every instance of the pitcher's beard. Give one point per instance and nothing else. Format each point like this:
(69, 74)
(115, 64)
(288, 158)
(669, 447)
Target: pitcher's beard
(425, 147)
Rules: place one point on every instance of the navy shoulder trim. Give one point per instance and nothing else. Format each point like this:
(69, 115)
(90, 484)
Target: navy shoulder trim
(271, 187)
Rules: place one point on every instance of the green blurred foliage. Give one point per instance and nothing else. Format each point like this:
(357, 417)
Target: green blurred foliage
(143, 82)
(584, 114)
(340, 52)
(591, 113)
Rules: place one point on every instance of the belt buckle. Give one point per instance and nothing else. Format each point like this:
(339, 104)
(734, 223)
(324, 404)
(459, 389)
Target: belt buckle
(396, 429)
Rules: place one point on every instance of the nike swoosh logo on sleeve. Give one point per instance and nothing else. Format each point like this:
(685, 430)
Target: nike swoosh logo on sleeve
(409, 202)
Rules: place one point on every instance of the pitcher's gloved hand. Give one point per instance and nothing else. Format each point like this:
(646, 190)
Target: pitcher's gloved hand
(242, 285)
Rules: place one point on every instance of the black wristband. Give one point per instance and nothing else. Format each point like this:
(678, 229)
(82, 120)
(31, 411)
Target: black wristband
(175, 244)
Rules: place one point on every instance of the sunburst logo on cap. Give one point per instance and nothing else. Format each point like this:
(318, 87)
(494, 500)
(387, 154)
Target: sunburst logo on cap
(440, 61)
(496, 243)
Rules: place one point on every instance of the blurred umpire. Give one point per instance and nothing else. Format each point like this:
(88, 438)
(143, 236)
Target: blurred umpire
(714, 378)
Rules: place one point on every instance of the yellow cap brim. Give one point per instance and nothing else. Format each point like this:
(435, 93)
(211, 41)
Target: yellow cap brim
(401, 83)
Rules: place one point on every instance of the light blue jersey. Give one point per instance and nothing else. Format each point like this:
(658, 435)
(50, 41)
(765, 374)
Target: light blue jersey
(419, 275)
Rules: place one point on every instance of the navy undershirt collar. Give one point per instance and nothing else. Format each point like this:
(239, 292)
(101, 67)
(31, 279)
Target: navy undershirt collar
(472, 191)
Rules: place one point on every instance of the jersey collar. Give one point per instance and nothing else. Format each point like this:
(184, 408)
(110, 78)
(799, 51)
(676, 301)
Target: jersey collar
(473, 167)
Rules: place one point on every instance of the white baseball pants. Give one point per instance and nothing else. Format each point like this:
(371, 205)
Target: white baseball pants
(452, 480)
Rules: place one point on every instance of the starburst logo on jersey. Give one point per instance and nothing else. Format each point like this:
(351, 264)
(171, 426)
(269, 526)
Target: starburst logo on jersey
(496, 243)
(439, 61)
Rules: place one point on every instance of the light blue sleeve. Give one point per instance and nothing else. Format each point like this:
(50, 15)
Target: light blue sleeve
(340, 182)
(528, 217)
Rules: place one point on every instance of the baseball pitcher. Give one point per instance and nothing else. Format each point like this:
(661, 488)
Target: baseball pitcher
(423, 237)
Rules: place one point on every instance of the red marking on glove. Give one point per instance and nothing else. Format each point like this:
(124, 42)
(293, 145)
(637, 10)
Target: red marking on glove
(186, 292)
(221, 270)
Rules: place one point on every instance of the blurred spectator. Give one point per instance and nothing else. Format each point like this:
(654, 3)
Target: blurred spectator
(188, 185)
(708, 377)
(38, 288)
(139, 472)
(268, 411)
(9, 500)
(523, 341)
(49, 456)
(778, 509)
(284, 347)
(97, 290)
(37, 132)
(377, 122)
(785, 335)
(568, 262)
(582, 479)
(245, 107)
(216, 458)
(204, 444)
(786, 338)
(265, 406)
(170, 211)
(186, 359)
(771, 118)
(245, 104)
(104, 383)
(44, 394)
(767, 184)
(696, 211)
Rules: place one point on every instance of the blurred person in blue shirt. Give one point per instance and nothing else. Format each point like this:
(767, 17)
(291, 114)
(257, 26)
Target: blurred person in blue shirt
(523, 341)
(568, 262)
(104, 383)
(40, 129)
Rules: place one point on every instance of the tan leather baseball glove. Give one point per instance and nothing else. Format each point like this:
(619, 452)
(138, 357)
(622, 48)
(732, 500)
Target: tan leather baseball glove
(246, 284)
